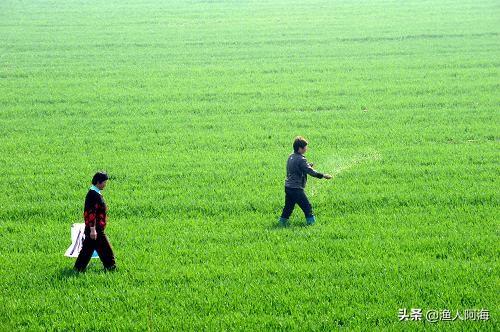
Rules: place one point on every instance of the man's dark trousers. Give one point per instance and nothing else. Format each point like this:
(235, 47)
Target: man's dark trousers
(296, 196)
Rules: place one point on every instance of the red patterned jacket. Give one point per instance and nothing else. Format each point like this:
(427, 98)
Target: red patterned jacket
(94, 212)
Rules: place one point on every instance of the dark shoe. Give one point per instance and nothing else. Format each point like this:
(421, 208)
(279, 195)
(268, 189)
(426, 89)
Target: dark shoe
(310, 220)
(110, 269)
(284, 222)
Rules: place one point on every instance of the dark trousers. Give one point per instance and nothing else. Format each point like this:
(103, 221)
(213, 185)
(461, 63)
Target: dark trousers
(296, 196)
(101, 245)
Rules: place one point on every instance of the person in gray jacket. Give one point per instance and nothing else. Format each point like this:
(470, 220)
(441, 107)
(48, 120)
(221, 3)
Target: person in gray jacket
(297, 169)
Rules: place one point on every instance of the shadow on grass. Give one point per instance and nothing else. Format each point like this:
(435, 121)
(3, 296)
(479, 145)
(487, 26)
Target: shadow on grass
(68, 272)
(276, 226)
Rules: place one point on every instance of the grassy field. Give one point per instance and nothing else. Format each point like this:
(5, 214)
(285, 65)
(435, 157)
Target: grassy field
(192, 107)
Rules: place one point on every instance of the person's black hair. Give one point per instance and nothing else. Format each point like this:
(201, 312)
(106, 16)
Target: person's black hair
(99, 177)
(299, 142)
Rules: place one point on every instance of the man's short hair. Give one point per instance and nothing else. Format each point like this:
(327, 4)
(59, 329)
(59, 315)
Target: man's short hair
(299, 142)
(99, 177)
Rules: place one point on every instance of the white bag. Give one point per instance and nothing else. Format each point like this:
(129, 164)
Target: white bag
(77, 237)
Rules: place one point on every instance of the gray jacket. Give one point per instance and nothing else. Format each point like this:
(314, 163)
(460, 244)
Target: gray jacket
(297, 169)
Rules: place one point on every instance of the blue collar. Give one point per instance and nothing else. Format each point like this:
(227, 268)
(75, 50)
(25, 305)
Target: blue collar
(94, 188)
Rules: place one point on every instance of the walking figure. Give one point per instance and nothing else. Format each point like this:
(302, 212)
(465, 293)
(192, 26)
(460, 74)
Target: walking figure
(94, 215)
(297, 169)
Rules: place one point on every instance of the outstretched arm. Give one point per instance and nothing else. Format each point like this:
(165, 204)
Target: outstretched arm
(307, 168)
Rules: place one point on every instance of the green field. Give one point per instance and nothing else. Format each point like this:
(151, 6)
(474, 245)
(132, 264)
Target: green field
(192, 107)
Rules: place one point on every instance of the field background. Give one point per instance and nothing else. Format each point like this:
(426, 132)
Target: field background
(192, 106)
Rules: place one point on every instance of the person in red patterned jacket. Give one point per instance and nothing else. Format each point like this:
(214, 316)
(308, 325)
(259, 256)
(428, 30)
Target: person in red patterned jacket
(94, 215)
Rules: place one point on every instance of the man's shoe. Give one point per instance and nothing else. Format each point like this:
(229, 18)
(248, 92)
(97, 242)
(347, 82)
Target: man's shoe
(283, 222)
(310, 220)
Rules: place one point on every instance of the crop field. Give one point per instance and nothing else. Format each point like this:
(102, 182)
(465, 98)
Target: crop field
(192, 107)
